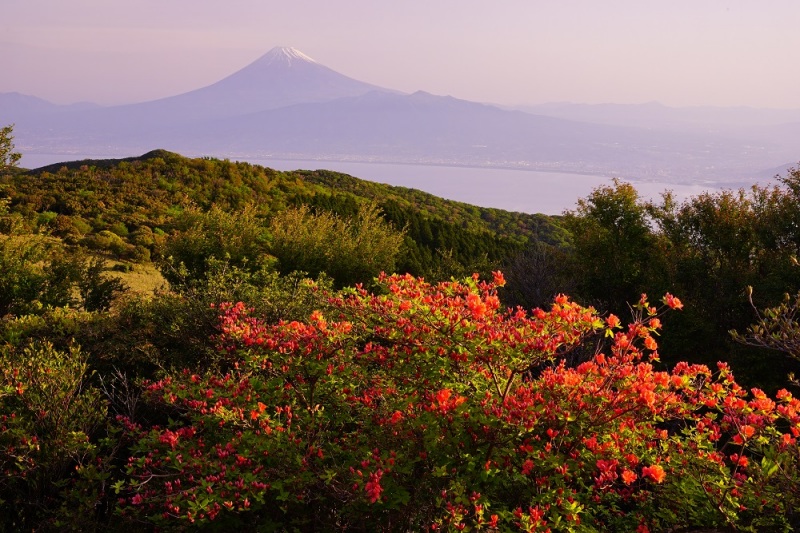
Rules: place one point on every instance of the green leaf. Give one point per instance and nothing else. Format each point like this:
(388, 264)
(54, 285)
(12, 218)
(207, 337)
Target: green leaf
(768, 466)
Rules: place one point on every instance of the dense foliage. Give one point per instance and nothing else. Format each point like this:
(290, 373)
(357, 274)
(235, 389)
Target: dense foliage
(708, 249)
(350, 251)
(235, 392)
(418, 406)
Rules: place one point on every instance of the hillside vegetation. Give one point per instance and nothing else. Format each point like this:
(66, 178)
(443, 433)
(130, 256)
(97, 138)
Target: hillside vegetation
(140, 199)
(268, 371)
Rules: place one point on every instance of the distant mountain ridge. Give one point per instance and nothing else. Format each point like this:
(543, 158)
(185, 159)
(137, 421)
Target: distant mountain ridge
(14, 106)
(654, 114)
(287, 105)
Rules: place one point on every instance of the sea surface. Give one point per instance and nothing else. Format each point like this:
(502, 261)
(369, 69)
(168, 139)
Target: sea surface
(525, 191)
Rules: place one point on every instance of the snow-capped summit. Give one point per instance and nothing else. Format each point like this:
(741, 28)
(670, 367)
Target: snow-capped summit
(284, 54)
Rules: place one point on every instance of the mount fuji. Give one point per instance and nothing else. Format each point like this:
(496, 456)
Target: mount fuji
(283, 76)
(285, 105)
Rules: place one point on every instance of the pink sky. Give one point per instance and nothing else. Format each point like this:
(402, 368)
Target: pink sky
(736, 53)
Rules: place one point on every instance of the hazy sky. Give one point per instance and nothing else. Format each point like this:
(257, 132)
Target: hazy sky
(694, 52)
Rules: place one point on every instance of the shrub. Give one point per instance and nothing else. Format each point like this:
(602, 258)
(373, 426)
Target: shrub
(349, 250)
(98, 290)
(119, 228)
(430, 407)
(177, 329)
(36, 272)
(47, 415)
(45, 218)
(238, 238)
(105, 241)
(66, 228)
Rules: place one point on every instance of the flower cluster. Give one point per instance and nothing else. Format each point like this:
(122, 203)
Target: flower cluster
(426, 406)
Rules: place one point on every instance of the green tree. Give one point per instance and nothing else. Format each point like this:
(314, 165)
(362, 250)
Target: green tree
(721, 243)
(8, 157)
(614, 247)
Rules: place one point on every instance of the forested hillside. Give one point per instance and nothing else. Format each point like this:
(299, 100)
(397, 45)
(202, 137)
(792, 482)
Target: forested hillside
(141, 199)
(197, 343)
